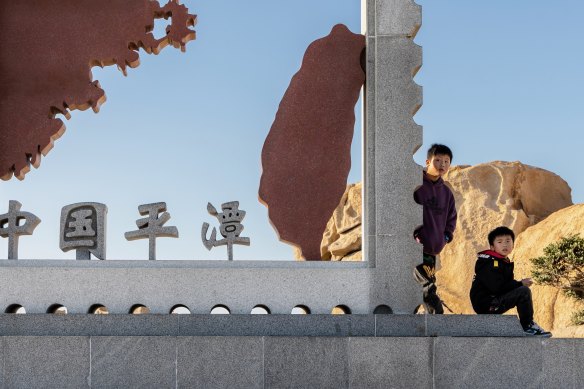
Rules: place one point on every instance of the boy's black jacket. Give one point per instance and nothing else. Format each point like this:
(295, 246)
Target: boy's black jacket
(493, 278)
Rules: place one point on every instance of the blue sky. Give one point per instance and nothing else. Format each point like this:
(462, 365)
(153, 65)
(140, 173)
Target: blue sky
(502, 81)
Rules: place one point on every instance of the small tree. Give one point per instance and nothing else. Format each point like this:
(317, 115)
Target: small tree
(562, 266)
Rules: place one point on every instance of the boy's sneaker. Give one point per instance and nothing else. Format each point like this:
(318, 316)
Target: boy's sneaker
(424, 275)
(535, 330)
(432, 302)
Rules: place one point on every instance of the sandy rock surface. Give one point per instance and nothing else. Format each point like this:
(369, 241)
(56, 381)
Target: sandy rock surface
(342, 237)
(552, 308)
(534, 202)
(487, 196)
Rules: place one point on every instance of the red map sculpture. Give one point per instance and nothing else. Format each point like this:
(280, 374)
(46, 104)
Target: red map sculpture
(47, 49)
(306, 157)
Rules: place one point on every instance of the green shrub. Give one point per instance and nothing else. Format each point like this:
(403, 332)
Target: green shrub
(578, 318)
(562, 266)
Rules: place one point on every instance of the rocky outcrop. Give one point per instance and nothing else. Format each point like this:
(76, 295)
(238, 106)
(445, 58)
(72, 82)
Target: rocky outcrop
(552, 308)
(534, 202)
(342, 237)
(487, 196)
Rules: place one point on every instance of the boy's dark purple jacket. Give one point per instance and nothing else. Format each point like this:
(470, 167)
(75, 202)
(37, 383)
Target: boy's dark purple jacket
(439, 215)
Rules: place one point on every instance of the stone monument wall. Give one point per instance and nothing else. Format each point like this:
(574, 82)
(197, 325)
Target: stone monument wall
(383, 280)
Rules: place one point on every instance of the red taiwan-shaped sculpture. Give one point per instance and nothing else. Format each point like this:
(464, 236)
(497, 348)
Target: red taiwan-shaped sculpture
(47, 49)
(306, 157)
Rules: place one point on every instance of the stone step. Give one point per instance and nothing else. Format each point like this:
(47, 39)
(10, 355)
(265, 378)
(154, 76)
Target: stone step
(289, 362)
(260, 325)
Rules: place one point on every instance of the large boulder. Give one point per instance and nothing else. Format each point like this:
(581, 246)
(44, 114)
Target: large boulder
(487, 196)
(552, 308)
(535, 203)
(341, 240)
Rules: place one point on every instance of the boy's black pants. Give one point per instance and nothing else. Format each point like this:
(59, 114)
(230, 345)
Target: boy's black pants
(518, 297)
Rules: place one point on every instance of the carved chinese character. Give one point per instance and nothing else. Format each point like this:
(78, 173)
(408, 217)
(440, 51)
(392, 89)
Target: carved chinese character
(230, 227)
(151, 227)
(11, 226)
(83, 227)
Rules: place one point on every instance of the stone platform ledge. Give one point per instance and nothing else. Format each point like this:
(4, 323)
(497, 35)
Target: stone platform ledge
(181, 264)
(261, 325)
(289, 362)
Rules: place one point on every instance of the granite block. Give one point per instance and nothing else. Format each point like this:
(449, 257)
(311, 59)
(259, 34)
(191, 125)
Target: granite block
(370, 243)
(133, 361)
(220, 362)
(370, 17)
(400, 325)
(578, 353)
(390, 362)
(369, 140)
(277, 325)
(306, 362)
(46, 362)
(474, 325)
(138, 325)
(398, 17)
(397, 136)
(393, 281)
(488, 362)
(561, 363)
(48, 325)
(2, 361)
(199, 285)
(406, 217)
(397, 60)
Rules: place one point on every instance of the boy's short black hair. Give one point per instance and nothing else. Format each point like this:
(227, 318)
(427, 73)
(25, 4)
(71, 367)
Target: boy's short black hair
(500, 231)
(437, 148)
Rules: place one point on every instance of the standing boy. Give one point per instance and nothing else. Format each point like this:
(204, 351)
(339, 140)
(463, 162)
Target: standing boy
(494, 289)
(439, 222)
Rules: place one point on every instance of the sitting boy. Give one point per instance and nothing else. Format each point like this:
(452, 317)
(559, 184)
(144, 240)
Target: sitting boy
(495, 291)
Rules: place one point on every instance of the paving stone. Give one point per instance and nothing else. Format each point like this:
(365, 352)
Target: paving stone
(2, 361)
(473, 325)
(133, 361)
(560, 363)
(400, 325)
(390, 362)
(579, 368)
(488, 362)
(46, 362)
(306, 362)
(138, 325)
(48, 325)
(220, 362)
(277, 325)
